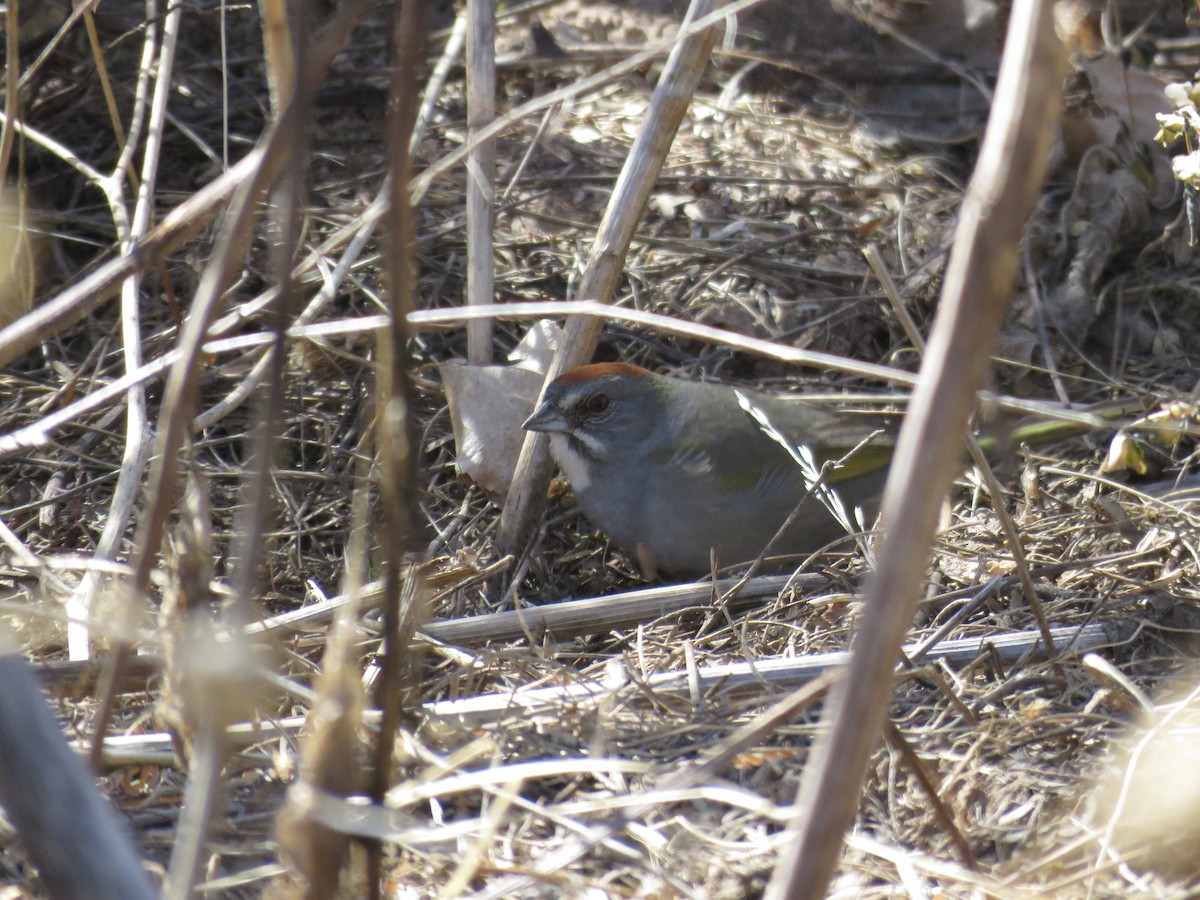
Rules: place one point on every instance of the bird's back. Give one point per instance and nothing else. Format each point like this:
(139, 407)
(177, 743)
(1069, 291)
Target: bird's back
(737, 482)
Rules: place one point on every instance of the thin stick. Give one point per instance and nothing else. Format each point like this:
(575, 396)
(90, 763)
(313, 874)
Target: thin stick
(1012, 535)
(1002, 193)
(180, 396)
(606, 261)
(137, 433)
(691, 28)
(12, 92)
(395, 432)
(941, 811)
(481, 173)
(875, 261)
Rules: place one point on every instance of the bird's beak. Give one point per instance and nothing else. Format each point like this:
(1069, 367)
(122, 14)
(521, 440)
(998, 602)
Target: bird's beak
(548, 419)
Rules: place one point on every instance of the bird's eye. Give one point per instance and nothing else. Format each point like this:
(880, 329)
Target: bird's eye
(595, 404)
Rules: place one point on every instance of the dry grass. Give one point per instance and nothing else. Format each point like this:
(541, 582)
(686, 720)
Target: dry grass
(759, 226)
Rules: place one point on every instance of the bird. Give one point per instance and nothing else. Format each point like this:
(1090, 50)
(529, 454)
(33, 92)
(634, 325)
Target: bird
(672, 469)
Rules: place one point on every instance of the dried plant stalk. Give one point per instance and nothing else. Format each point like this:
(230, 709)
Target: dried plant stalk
(606, 260)
(1002, 193)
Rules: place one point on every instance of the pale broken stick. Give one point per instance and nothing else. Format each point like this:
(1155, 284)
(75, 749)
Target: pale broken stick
(772, 671)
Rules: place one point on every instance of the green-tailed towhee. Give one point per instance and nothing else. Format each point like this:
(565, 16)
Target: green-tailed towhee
(669, 468)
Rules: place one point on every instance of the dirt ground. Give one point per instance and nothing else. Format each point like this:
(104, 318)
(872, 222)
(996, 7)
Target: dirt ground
(816, 134)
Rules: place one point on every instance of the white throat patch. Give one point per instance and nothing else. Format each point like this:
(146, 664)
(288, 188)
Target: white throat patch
(574, 466)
